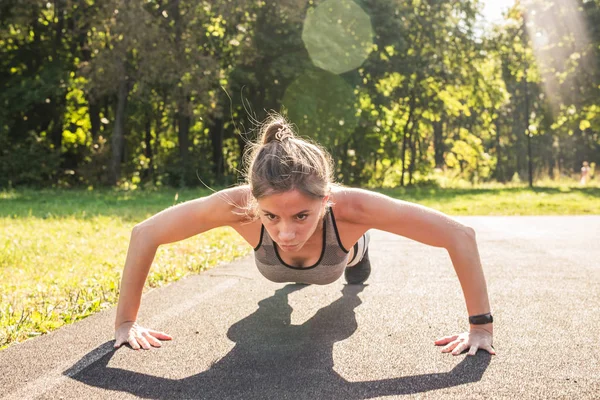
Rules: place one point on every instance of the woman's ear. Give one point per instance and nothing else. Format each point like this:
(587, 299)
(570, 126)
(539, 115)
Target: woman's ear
(324, 202)
(324, 205)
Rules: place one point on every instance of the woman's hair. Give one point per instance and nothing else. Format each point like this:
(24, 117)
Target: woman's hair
(281, 161)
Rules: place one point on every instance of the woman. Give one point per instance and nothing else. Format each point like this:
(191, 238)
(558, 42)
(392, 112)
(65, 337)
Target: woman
(585, 173)
(303, 229)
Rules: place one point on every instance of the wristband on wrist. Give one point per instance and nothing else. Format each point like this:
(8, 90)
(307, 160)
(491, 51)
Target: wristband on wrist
(481, 319)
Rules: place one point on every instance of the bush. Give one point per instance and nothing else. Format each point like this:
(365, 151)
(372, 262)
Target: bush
(30, 162)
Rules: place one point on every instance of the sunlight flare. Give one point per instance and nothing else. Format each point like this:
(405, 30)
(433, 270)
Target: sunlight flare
(561, 44)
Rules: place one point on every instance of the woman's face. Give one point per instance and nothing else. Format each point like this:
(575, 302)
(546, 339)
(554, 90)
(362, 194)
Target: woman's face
(291, 218)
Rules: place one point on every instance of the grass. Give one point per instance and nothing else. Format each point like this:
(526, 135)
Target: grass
(62, 251)
(517, 200)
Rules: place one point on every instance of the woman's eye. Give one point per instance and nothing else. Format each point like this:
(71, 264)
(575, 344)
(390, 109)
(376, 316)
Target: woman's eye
(302, 217)
(270, 217)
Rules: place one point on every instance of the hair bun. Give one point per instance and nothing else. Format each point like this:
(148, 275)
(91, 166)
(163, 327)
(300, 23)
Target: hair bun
(277, 130)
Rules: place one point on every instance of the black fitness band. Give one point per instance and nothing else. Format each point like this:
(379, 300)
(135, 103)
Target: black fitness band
(481, 319)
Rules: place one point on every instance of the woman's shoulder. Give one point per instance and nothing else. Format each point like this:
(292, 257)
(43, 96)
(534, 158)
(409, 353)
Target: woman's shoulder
(348, 203)
(240, 212)
(239, 193)
(237, 200)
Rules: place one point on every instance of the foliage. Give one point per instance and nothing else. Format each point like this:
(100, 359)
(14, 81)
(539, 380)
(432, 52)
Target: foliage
(28, 162)
(162, 92)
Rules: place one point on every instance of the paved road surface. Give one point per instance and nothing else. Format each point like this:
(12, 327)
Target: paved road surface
(238, 336)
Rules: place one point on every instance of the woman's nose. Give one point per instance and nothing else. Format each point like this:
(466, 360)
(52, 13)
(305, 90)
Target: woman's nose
(286, 235)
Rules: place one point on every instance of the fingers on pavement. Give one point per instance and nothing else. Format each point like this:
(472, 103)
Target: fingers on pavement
(151, 339)
(160, 335)
(446, 340)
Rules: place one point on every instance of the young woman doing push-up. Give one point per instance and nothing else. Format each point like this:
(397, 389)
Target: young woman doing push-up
(304, 229)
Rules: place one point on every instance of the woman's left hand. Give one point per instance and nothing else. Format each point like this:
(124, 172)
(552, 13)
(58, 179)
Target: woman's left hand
(476, 338)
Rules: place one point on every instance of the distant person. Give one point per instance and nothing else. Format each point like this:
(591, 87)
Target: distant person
(585, 173)
(304, 229)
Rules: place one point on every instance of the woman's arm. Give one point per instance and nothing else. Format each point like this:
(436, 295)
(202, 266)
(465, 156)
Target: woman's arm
(431, 227)
(168, 226)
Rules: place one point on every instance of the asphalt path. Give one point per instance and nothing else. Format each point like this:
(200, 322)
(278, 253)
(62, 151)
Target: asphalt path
(239, 336)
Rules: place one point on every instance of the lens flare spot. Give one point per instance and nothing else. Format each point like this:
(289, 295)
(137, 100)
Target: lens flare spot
(323, 106)
(338, 35)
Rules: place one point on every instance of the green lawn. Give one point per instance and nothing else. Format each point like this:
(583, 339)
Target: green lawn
(560, 200)
(62, 251)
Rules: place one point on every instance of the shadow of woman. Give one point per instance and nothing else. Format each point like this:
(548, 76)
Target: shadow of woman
(274, 359)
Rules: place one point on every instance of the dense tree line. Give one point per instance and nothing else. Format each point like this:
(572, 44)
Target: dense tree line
(168, 92)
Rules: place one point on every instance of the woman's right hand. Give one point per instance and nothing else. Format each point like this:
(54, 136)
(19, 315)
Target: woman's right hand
(138, 336)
